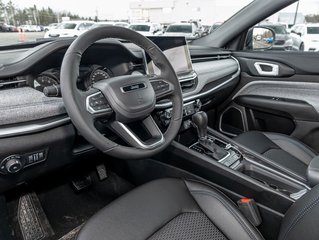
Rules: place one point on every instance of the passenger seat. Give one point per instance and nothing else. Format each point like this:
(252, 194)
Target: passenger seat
(284, 150)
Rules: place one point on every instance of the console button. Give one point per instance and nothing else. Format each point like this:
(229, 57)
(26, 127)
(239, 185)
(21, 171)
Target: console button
(35, 157)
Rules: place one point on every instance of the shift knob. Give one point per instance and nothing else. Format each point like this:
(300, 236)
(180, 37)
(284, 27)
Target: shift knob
(200, 120)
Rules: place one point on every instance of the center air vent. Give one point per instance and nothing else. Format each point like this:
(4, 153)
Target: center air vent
(208, 58)
(188, 83)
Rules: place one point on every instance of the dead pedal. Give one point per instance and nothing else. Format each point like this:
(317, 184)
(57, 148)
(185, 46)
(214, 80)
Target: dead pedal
(33, 222)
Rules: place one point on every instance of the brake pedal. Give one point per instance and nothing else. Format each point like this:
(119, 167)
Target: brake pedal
(33, 222)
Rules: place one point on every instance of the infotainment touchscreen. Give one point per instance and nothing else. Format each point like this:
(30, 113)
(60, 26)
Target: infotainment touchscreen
(177, 52)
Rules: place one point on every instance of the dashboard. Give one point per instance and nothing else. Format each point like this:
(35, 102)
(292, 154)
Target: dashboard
(36, 128)
(87, 77)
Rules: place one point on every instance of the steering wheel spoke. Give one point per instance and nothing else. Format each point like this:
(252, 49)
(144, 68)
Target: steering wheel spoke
(163, 88)
(155, 140)
(96, 104)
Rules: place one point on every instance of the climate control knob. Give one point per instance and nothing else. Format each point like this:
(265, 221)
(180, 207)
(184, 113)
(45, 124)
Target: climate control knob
(13, 165)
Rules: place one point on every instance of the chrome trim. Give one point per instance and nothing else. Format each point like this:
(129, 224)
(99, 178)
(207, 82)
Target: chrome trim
(213, 139)
(32, 128)
(188, 77)
(90, 109)
(219, 57)
(275, 172)
(299, 194)
(139, 142)
(12, 82)
(221, 121)
(274, 69)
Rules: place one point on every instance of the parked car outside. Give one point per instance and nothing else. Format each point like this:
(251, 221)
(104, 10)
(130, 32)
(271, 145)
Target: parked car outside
(305, 37)
(283, 40)
(3, 27)
(188, 30)
(26, 28)
(108, 23)
(215, 26)
(12, 28)
(50, 26)
(147, 29)
(122, 24)
(69, 29)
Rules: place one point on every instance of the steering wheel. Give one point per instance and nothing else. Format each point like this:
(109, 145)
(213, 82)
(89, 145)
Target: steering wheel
(122, 100)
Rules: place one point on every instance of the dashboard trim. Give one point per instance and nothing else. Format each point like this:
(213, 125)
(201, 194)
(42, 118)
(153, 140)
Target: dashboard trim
(203, 94)
(200, 95)
(32, 128)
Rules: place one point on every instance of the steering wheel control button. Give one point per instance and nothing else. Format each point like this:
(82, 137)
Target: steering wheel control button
(160, 86)
(96, 103)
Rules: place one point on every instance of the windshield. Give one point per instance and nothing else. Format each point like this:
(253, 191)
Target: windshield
(313, 30)
(180, 28)
(28, 21)
(140, 28)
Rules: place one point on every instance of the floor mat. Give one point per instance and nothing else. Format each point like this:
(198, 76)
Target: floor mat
(66, 209)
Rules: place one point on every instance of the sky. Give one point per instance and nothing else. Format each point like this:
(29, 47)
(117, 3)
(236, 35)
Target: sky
(106, 8)
(119, 9)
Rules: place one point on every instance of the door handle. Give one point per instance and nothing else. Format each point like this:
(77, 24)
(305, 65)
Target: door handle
(267, 69)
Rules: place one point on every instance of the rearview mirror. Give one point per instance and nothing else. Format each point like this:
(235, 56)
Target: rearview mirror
(260, 38)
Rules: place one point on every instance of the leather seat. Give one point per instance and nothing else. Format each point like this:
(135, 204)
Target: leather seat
(174, 209)
(281, 149)
(170, 209)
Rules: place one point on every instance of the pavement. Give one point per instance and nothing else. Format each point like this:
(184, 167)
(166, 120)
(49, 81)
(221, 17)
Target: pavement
(7, 38)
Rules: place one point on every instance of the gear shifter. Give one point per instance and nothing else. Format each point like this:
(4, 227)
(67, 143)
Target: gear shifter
(200, 121)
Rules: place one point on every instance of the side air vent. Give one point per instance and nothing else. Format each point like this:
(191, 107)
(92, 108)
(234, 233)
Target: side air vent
(10, 83)
(197, 59)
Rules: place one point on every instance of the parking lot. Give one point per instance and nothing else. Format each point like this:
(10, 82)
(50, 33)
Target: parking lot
(14, 37)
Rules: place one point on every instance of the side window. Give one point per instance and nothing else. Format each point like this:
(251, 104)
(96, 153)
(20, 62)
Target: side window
(294, 28)
(87, 25)
(81, 27)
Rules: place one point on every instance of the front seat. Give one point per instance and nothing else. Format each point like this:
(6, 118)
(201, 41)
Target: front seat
(170, 209)
(174, 209)
(286, 151)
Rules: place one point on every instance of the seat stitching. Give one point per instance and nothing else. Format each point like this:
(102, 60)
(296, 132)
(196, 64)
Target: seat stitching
(303, 212)
(240, 221)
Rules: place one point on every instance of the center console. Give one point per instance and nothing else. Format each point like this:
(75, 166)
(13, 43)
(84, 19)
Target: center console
(228, 153)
